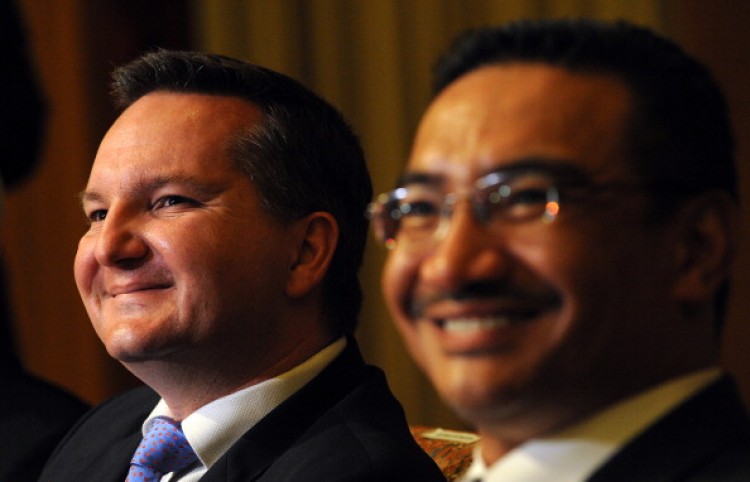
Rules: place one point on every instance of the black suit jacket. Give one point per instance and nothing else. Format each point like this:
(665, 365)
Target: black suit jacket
(34, 416)
(345, 425)
(705, 439)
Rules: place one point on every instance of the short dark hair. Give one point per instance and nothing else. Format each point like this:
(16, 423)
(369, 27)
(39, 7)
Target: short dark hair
(303, 157)
(679, 132)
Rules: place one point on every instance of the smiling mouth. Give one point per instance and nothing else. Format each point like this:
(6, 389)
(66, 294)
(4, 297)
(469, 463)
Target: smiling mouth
(140, 289)
(484, 313)
(466, 324)
(473, 324)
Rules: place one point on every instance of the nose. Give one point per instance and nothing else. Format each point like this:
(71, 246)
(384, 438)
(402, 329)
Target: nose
(120, 241)
(467, 253)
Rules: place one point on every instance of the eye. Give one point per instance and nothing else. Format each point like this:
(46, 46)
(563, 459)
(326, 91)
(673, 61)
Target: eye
(414, 202)
(417, 208)
(521, 199)
(527, 196)
(97, 216)
(172, 200)
(416, 216)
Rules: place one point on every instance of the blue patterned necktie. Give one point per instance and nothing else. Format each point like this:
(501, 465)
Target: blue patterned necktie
(163, 449)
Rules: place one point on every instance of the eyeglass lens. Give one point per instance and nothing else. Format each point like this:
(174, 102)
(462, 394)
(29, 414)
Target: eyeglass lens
(415, 213)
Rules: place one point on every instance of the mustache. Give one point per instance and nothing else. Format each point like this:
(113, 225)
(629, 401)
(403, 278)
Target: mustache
(479, 291)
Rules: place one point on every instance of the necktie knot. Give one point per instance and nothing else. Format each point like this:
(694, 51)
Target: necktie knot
(163, 449)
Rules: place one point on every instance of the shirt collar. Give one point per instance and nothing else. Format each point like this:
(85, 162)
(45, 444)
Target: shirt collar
(215, 427)
(577, 451)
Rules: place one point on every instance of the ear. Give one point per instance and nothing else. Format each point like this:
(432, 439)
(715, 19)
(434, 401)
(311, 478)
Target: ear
(707, 232)
(317, 240)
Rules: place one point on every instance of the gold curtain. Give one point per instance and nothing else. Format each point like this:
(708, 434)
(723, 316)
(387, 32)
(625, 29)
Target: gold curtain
(372, 59)
(43, 220)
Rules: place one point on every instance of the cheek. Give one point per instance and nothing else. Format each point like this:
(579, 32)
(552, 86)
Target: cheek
(561, 261)
(84, 265)
(171, 237)
(399, 275)
(598, 279)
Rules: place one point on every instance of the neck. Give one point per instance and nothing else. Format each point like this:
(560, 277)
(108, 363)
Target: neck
(504, 428)
(189, 381)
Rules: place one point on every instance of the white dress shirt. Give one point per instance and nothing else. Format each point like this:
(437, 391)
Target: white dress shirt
(574, 453)
(215, 427)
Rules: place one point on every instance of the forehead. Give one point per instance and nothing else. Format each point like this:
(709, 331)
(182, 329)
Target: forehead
(176, 133)
(494, 116)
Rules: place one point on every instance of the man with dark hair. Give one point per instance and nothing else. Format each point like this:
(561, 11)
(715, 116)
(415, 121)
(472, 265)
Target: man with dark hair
(220, 267)
(561, 245)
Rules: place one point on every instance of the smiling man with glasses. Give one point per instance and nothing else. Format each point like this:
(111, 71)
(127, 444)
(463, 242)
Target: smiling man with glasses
(560, 244)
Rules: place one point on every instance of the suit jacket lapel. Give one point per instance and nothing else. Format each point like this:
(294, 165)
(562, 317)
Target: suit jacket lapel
(671, 449)
(250, 456)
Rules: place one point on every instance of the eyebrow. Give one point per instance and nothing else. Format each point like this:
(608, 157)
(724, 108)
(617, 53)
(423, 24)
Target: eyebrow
(419, 177)
(157, 183)
(557, 168)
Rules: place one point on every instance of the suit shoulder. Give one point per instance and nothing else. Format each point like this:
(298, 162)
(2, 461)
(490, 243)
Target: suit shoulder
(110, 422)
(363, 437)
(127, 408)
(34, 417)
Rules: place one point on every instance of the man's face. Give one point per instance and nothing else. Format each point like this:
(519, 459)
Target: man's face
(532, 316)
(180, 258)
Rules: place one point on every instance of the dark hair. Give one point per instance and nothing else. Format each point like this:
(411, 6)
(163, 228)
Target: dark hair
(303, 157)
(679, 133)
(680, 129)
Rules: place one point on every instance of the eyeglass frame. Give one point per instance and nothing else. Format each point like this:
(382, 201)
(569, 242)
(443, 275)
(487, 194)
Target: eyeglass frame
(562, 177)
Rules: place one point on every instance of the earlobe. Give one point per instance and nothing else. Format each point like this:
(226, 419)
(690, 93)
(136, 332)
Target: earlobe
(317, 241)
(706, 246)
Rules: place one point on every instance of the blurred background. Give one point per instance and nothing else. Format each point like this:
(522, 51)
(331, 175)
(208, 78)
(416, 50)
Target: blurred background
(370, 58)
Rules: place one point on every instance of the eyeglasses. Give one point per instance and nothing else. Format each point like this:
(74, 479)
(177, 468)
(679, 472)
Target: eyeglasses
(417, 214)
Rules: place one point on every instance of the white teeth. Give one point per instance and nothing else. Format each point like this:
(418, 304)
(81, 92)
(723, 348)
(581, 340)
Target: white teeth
(466, 325)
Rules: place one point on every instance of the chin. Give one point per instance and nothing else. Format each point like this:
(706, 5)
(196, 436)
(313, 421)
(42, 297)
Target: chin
(126, 352)
(475, 397)
(128, 346)
(485, 409)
